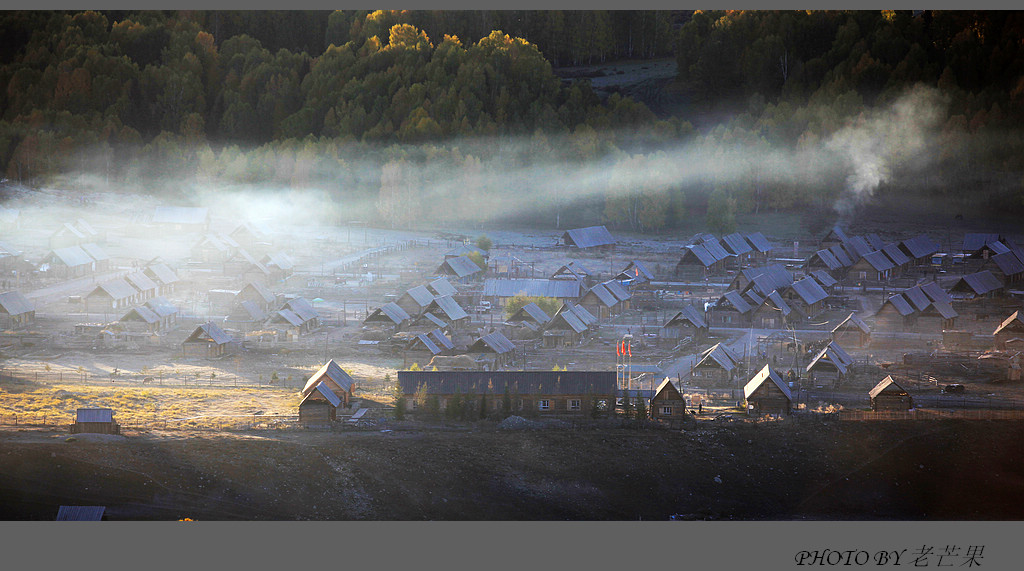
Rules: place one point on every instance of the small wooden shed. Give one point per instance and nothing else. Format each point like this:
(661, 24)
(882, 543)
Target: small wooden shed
(889, 395)
(95, 421)
(335, 379)
(319, 405)
(767, 393)
(667, 404)
(207, 340)
(852, 332)
(1011, 328)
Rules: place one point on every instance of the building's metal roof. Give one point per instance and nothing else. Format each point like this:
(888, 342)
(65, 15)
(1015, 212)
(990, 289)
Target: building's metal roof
(80, 513)
(714, 248)
(767, 374)
(95, 252)
(141, 313)
(916, 296)
(852, 321)
(887, 385)
(180, 215)
(531, 310)
(441, 339)
(15, 303)
(699, 253)
(433, 319)
(1014, 319)
(874, 241)
(209, 331)
(447, 305)
(688, 314)
(945, 309)
(759, 242)
(94, 415)
(879, 261)
(736, 244)
(278, 260)
(588, 237)
(980, 283)
(492, 343)
(581, 313)
(616, 289)
(288, 316)
(424, 340)
(824, 278)
(836, 233)
(162, 306)
(778, 302)
(262, 292)
(895, 255)
(420, 295)
(832, 354)
(753, 298)
(637, 270)
(71, 256)
(974, 241)
(598, 383)
(246, 312)
(69, 228)
(809, 290)
(251, 260)
(302, 308)
(603, 295)
(901, 304)
(141, 281)
(218, 242)
(935, 292)
(857, 246)
(324, 391)
(560, 289)
(443, 287)
(460, 267)
(8, 250)
(720, 355)
(390, 311)
(570, 319)
(1008, 263)
(163, 273)
(735, 300)
(115, 289)
(827, 258)
(841, 256)
(332, 374)
(920, 246)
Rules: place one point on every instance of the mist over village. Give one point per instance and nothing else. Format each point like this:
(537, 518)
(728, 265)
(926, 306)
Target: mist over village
(511, 265)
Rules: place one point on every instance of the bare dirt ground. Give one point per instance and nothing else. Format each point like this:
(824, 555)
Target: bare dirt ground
(938, 470)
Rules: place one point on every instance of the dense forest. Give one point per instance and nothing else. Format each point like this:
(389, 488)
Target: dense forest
(449, 116)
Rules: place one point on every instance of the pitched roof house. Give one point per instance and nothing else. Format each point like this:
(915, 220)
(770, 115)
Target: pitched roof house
(766, 393)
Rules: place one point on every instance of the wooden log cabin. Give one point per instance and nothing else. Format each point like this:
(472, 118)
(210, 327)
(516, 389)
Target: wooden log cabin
(889, 395)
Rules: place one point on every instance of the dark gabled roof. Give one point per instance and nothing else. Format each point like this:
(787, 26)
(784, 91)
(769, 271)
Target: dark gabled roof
(162, 306)
(246, 311)
(688, 314)
(560, 289)
(895, 255)
(777, 276)
(637, 270)
(827, 258)
(616, 289)
(824, 278)
(570, 319)
(447, 305)
(531, 310)
(778, 302)
(440, 339)
(887, 385)
(920, 246)
(979, 283)
(163, 273)
(579, 311)
(141, 313)
(841, 256)
(80, 513)
(94, 415)
(944, 309)
(810, 291)
(1015, 319)
(900, 303)
(420, 295)
(15, 303)
(460, 267)
(836, 233)
(1008, 263)
(518, 382)
(426, 341)
(442, 286)
(767, 374)
(211, 331)
(879, 261)
(935, 292)
(974, 241)
(431, 318)
(573, 269)
(666, 386)
(390, 311)
(852, 321)
(759, 242)
(720, 355)
(588, 237)
(735, 300)
(492, 343)
(714, 248)
(698, 253)
(116, 289)
(603, 295)
(917, 297)
(874, 241)
(736, 244)
(834, 355)
(302, 308)
(333, 375)
(324, 391)
(141, 281)
(753, 298)
(265, 294)
(857, 246)
(286, 315)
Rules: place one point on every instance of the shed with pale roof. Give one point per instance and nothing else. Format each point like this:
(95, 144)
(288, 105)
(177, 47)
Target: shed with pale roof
(889, 395)
(766, 393)
(207, 340)
(590, 237)
(16, 310)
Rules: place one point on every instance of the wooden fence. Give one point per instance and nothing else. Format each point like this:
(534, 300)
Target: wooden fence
(929, 414)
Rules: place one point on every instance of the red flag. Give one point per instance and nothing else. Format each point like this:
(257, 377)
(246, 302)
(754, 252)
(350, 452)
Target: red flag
(630, 348)
(617, 352)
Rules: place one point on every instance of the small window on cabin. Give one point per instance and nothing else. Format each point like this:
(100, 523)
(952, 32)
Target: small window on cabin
(666, 410)
(574, 404)
(544, 404)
